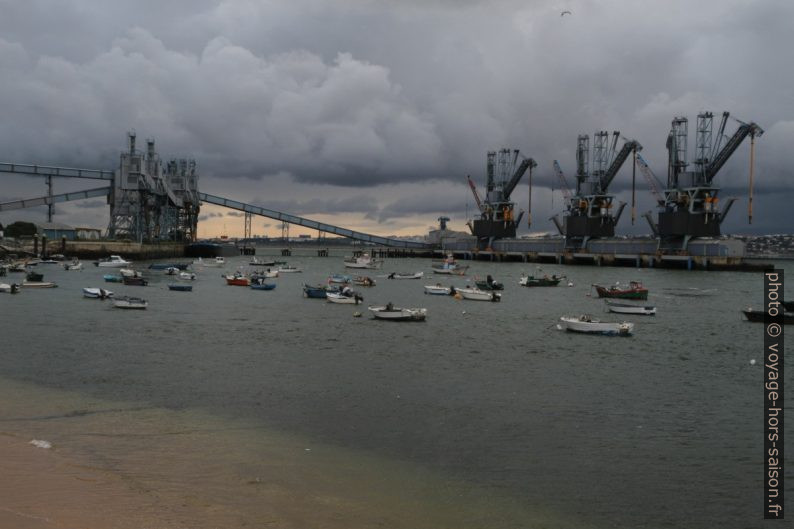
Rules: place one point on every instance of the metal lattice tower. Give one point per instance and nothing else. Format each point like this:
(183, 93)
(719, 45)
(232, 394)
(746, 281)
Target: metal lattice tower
(703, 141)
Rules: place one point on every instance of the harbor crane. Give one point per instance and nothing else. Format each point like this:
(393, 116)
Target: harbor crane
(589, 212)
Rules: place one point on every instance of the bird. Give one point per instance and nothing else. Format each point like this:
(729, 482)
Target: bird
(566, 12)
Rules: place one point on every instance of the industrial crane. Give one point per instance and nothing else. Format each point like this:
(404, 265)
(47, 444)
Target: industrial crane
(565, 188)
(589, 211)
(497, 216)
(690, 207)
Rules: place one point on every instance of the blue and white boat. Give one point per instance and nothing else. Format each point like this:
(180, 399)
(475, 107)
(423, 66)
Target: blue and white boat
(112, 278)
(263, 286)
(97, 293)
(180, 287)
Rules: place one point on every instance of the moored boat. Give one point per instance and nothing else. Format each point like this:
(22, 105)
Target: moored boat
(758, 316)
(238, 281)
(166, 266)
(488, 284)
(114, 261)
(339, 297)
(401, 275)
(364, 281)
(127, 302)
(112, 278)
(217, 262)
(545, 281)
(39, 284)
(129, 272)
(363, 261)
(12, 288)
(97, 293)
(263, 286)
(136, 281)
(289, 269)
(34, 277)
(74, 265)
(589, 325)
(392, 313)
(627, 308)
(437, 290)
(318, 291)
(476, 294)
(339, 278)
(180, 287)
(634, 291)
(186, 276)
(263, 262)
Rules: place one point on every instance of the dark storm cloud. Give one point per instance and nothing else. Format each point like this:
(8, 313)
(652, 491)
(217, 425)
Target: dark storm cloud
(364, 93)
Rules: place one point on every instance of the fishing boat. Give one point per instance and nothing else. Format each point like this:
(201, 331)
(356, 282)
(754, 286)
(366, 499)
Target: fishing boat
(399, 275)
(112, 278)
(129, 272)
(97, 293)
(476, 294)
(364, 281)
(363, 261)
(488, 284)
(217, 262)
(758, 316)
(587, 324)
(34, 277)
(448, 266)
(39, 284)
(171, 271)
(238, 281)
(267, 274)
(545, 281)
(437, 290)
(114, 261)
(634, 291)
(180, 288)
(289, 270)
(186, 276)
(392, 313)
(136, 281)
(626, 308)
(127, 302)
(12, 288)
(339, 297)
(340, 279)
(74, 265)
(263, 286)
(256, 262)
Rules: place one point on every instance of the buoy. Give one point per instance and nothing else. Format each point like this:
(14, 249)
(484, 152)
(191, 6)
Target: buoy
(356, 314)
(752, 362)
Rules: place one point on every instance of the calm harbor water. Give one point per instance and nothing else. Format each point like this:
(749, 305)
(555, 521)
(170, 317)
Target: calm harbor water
(484, 416)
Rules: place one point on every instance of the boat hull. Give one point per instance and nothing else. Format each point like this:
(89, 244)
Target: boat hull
(437, 290)
(758, 316)
(625, 308)
(263, 286)
(343, 300)
(591, 326)
(641, 293)
(398, 314)
(181, 288)
(97, 293)
(479, 295)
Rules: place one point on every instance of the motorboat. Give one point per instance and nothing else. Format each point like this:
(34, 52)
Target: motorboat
(129, 272)
(171, 271)
(449, 266)
(627, 308)
(437, 290)
(339, 278)
(34, 277)
(635, 290)
(186, 276)
(114, 261)
(238, 280)
(318, 291)
(479, 295)
(392, 313)
(488, 284)
(136, 281)
(267, 274)
(39, 284)
(127, 302)
(217, 262)
(289, 269)
(363, 261)
(166, 266)
(590, 325)
(97, 293)
(180, 287)
(256, 262)
(112, 278)
(399, 275)
(758, 316)
(545, 281)
(340, 297)
(74, 265)
(261, 285)
(12, 288)
(364, 281)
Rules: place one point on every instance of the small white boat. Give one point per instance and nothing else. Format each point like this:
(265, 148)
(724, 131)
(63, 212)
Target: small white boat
(126, 302)
(628, 308)
(114, 261)
(587, 324)
(289, 270)
(268, 274)
(216, 262)
(396, 275)
(74, 265)
(479, 295)
(335, 297)
(171, 271)
(97, 293)
(39, 284)
(186, 276)
(129, 272)
(363, 261)
(392, 313)
(256, 262)
(437, 290)
(13, 288)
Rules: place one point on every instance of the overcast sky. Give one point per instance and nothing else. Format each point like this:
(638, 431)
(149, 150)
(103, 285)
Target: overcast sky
(370, 113)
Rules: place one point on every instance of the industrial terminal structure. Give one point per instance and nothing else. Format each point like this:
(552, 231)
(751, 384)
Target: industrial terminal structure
(152, 201)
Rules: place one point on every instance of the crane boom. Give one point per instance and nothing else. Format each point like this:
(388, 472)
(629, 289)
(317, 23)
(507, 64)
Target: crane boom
(566, 191)
(526, 163)
(474, 191)
(653, 182)
(618, 162)
(744, 130)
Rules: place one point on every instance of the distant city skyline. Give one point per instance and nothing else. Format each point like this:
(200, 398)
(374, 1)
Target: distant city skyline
(369, 114)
